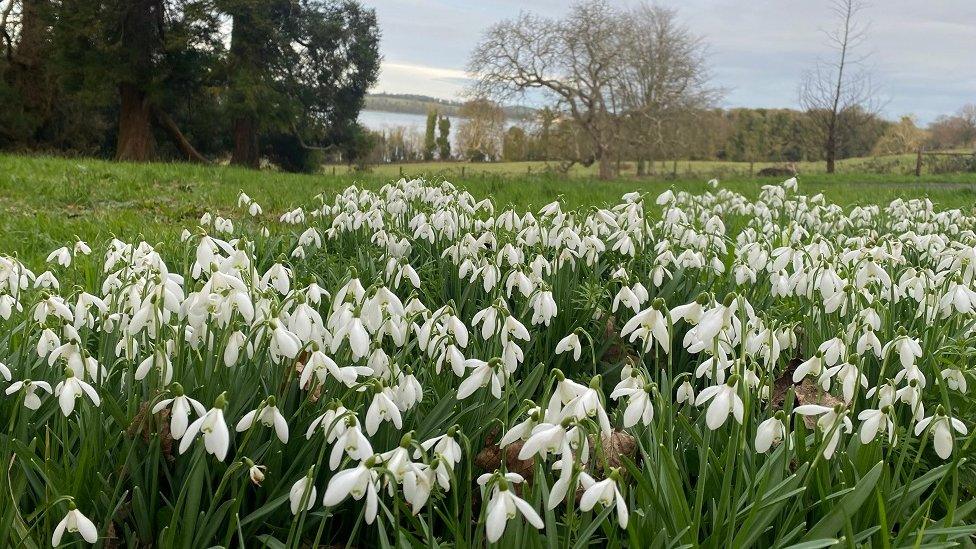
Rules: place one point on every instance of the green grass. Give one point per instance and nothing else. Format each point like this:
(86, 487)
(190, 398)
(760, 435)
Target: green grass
(900, 165)
(45, 201)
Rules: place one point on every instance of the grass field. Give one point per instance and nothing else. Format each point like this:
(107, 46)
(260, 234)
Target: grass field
(45, 201)
(897, 165)
(695, 368)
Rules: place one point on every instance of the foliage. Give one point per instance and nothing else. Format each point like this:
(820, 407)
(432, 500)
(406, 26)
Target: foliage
(299, 68)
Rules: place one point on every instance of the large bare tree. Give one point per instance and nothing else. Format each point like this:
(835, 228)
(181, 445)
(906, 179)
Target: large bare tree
(838, 93)
(663, 82)
(573, 59)
(618, 74)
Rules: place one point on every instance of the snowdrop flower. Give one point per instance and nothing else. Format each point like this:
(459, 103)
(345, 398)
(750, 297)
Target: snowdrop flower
(31, 400)
(869, 340)
(232, 352)
(607, 493)
(587, 402)
(504, 505)
(811, 366)
(81, 248)
(71, 389)
(62, 256)
(685, 393)
(523, 429)
(359, 481)
(832, 421)
(351, 441)
(268, 415)
(322, 366)
(640, 406)
(482, 374)
(955, 379)
(770, 432)
(75, 522)
(875, 421)
(849, 375)
(302, 491)
(725, 400)
(942, 427)
(543, 307)
(382, 408)
(180, 412)
(690, 312)
(570, 343)
(649, 325)
(833, 350)
(418, 482)
(160, 360)
(5, 372)
(216, 438)
(444, 445)
(332, 422)
(409, 392)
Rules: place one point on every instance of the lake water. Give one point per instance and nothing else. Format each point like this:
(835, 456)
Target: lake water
(378, 121)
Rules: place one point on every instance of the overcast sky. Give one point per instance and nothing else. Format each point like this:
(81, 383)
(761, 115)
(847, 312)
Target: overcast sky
(923, 52)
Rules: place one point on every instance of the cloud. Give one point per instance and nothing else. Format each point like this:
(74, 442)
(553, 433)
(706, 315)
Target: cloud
(419, 79)
(921, 52)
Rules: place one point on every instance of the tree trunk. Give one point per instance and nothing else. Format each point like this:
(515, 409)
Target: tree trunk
(641, 167)
(248, 45)
(831, 152)
(140, 40)
(136, 141)
(606, 167)
(246, 151)
(605, 159)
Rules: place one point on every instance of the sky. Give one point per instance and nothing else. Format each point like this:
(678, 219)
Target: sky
(922, 53)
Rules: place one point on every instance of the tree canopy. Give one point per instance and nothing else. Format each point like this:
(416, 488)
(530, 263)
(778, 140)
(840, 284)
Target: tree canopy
(193, 79)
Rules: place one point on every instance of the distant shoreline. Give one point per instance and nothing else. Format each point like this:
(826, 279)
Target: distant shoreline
(421, 105)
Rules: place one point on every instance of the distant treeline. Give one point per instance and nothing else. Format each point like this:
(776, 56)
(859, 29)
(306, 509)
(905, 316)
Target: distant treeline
(741, 134)
(423, 105)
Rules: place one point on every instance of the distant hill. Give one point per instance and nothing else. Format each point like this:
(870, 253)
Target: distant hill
(422, 104)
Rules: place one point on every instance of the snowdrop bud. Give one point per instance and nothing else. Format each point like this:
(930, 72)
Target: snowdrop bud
(303, 490)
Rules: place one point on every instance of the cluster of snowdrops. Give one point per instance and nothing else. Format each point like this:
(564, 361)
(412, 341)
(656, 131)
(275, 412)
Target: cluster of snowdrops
(412, 364)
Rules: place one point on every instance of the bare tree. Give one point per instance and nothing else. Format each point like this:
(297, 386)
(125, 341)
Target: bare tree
(622, 76)
(481, 130)
(573, 59)
(663, 83)
(838, 93)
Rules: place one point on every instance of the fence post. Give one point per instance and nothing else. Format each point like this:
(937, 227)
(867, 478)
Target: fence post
(462, 171)
(918, 163)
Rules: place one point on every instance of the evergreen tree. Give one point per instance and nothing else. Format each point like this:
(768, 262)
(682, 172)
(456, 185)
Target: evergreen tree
(444, 139)
(430, 138)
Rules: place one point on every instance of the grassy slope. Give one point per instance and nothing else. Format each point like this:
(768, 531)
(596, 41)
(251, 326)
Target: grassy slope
(45, 201)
